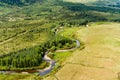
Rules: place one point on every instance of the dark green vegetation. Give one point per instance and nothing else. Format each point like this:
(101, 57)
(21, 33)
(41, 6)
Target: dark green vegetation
(19, 2)
(28, 28)
(107, 3)
(63, 13)
(33, 56)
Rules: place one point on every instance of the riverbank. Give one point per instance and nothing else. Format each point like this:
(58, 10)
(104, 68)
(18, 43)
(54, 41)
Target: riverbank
(47, 59)
(100, 58)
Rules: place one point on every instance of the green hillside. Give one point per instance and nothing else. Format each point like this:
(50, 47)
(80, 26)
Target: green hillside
(30, 28)
(109, 3)
(19, 2)
(59, 10)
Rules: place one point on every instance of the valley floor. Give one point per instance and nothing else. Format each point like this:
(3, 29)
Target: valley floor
(100, 60)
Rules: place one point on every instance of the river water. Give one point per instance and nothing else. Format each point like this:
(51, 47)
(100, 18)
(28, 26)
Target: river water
(47, 59)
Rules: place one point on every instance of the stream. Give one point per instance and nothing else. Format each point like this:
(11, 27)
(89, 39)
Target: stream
(47, 59)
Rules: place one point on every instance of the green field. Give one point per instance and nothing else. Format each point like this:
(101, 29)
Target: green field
(15, 38)
(19, 77)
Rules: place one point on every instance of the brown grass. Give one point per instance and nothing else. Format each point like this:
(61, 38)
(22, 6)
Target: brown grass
(100, 60)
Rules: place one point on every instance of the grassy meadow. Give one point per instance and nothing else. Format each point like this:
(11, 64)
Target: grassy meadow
(15, 38)
(19, 77)
(100, 58)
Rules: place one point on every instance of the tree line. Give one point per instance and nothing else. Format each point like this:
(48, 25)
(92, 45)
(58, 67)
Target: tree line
(19, 2)
(32, 57)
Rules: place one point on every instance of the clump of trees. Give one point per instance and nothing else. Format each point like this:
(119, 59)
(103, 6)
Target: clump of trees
(32, 57)
(21, 59)
(59, 42)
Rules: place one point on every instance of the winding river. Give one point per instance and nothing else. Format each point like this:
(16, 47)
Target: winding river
(46, 58)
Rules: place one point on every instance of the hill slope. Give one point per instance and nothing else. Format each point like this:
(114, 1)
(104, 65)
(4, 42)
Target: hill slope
(110, 3)
(57, 9)
(100, 58)
(19, 2)
(25, 25)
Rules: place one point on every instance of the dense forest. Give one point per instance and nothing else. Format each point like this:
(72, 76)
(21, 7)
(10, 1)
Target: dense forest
(31, 57)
